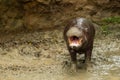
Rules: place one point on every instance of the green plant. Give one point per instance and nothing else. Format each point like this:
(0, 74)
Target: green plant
(105, 29)
(106, 22)
(114, 19)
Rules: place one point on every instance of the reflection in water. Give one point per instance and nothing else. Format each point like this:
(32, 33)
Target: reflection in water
(107, 68)
(103, 69)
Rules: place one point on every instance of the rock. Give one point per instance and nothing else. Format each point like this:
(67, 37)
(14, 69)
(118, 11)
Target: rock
(44, 1)
(31, 21)
(19, 24)
(101, 2)
(24, 0)
(89, 7)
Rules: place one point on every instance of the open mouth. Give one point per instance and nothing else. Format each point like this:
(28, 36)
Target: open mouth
(74, 41)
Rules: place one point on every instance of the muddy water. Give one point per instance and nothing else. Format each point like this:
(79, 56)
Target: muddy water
(43, 56)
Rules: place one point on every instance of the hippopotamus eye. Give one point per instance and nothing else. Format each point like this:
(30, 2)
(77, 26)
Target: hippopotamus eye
(86, 29)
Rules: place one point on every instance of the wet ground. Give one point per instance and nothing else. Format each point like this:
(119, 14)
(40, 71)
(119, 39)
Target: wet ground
(43, 56)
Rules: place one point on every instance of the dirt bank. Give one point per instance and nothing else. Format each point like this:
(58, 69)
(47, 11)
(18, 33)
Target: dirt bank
(45, 14)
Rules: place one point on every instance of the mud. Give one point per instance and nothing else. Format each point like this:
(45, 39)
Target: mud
(43, 56)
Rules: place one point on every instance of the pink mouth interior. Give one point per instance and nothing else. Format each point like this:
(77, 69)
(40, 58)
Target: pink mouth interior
(74, 39)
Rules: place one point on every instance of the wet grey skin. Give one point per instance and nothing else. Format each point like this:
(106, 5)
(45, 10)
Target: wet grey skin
(82, 29)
